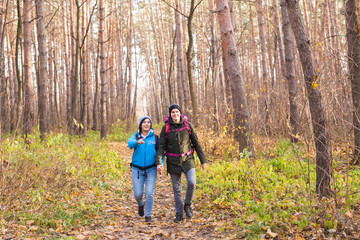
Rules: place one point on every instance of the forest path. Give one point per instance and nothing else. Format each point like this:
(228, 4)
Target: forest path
(125, 223)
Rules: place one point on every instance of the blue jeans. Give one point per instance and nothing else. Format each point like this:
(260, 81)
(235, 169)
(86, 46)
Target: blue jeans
(139, 179)
(177, 187)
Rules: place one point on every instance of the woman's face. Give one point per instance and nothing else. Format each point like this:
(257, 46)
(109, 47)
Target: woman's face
(175, 115)
(145, 125)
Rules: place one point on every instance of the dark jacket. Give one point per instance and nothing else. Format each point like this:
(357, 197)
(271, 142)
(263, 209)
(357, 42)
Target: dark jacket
(179, 142)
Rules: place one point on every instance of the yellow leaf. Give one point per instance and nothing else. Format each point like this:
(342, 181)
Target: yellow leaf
(271, 234)
(315, 85)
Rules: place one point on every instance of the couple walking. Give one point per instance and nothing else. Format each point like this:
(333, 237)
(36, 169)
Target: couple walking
(177, 141)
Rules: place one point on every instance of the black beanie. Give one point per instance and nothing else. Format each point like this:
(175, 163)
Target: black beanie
(172, 106)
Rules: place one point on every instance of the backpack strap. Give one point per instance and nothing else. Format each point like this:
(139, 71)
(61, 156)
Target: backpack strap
(167, 128)
(186, 123)
(156, 142)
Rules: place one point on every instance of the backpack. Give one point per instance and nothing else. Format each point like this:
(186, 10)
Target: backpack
(186, 124)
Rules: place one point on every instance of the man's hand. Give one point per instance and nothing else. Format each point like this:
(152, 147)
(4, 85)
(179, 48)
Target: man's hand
(204, 166)
(160, 168)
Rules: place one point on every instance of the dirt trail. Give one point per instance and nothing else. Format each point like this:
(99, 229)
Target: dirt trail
(127, 224)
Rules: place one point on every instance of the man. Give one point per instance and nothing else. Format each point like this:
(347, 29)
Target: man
(178, 140)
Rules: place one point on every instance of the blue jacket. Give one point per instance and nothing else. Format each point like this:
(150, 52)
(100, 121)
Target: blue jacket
(144, 154)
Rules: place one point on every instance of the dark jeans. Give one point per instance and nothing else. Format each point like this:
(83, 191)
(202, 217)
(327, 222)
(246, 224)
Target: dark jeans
(177, 187)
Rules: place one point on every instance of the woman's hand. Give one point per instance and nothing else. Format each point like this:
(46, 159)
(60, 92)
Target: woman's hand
(141, 141)
(160, 168)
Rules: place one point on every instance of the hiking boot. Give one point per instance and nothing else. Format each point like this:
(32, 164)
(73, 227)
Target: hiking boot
(188, 211)
(141, 210)
(148, 219)
(179, 217)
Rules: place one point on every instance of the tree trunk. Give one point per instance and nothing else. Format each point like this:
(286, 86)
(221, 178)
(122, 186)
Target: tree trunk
(278, 37)
(120, 81)
(241, 116)
(4, 94)
(264, 84)
(103, 123)
(317, 111)
(190, 65)
(213, 66)
(75, 72)
(129, 63)
(28, 121)
(96, 93)
(353, 39)
(289, 73)
(19, 105)
(181, 77)
(67, 66)
(43, 75)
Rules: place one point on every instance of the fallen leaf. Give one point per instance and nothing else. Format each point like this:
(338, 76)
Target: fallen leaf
(30, 222)
(271, 234)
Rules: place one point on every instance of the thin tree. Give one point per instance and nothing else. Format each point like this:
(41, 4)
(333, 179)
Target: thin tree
(265, 76)
(241, 115)
(289, 73)
(17, 67)
(43, 75)
(180, 65)
(28, 121)
(4, 102)
(129, 62)
(103, 123)
(317, 110)
(189, 53)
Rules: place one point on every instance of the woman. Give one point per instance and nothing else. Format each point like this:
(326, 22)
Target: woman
(143, 165)
(178, 139)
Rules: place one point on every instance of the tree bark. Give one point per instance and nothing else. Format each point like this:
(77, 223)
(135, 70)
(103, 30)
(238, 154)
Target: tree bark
(241, 115)
(317, 111)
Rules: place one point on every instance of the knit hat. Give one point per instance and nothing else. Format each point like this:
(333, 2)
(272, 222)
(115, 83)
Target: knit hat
(172, 106)
(143, 118)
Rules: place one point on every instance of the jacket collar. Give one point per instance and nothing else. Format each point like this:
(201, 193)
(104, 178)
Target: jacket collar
(151, 133)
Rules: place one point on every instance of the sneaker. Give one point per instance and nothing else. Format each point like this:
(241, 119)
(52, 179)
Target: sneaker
(148, 219)
(179, 217)
(188, 211)
(141, 210)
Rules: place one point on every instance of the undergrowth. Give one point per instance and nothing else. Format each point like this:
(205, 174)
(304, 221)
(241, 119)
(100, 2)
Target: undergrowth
(57, 184)
(275, 193)
(52, 184)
